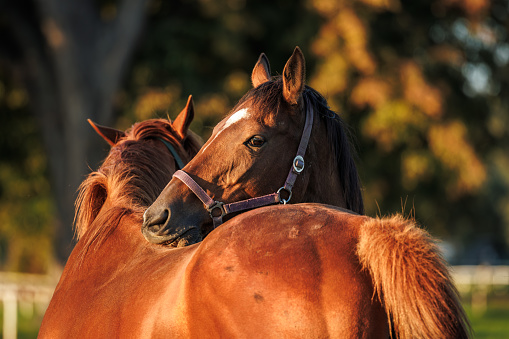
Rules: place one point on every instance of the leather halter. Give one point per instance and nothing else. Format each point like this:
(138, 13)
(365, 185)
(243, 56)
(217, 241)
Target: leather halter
(218, 209)
(178, 160)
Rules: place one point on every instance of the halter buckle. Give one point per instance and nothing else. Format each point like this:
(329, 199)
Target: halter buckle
(298, 164)
(281, 200)
(216, 210)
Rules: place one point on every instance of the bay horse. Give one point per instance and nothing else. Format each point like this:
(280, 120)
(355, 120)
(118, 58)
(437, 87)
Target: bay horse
(293, 271)
(277, 125)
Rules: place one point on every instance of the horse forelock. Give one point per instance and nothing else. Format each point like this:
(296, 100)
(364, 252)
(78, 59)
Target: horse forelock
(131, 177)
(266, 100)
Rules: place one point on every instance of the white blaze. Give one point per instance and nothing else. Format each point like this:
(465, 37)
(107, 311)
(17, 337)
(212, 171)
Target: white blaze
(235, 117)
(239, 115)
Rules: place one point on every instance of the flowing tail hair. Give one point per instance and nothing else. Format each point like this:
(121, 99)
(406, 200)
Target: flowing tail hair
(411, 280)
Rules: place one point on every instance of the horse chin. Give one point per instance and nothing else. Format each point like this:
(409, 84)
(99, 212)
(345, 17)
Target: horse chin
(190, 237)
(186, 236)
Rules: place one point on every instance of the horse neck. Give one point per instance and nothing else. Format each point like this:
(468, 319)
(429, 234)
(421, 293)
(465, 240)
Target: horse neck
(112, 237)
(334, 179)
(324, 185)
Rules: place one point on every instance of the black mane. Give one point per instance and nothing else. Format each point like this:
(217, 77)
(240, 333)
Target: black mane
(268, 98)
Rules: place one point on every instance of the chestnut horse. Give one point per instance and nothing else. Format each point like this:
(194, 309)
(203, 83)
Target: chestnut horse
(293, 271)
(98, 279)
(278, 123)
(337, 272)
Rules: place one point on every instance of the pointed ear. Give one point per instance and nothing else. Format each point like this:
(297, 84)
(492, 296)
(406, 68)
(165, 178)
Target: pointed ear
(294, 77)
(111, 135)
(183, 120)
(261, 71)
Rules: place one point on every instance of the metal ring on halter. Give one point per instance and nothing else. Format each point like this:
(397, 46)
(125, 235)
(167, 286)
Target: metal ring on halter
(298, 164)
(214, 206)
(284, 201)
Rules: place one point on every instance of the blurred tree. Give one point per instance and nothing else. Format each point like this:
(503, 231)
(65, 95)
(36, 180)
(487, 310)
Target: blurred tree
(208, 48)
(71, 56)
(424, 85)
(26, 205)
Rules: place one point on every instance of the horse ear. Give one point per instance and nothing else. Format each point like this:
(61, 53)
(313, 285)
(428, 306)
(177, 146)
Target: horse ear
(183, 120)
(261, 71)
(294, 76)
(111, 135)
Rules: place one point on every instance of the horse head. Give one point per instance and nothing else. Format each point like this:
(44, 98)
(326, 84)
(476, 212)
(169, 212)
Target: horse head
(251, 151)
(139, 165)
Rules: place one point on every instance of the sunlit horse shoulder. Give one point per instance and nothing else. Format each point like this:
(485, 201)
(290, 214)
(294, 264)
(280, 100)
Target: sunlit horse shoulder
(279, 129)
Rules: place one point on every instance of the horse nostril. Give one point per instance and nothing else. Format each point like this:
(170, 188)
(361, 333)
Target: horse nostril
(154, 223)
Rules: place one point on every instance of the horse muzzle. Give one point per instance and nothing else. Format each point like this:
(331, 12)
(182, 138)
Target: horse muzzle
(158, 228)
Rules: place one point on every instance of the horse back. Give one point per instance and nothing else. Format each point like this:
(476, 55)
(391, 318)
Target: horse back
(276, 272)
(283, 272)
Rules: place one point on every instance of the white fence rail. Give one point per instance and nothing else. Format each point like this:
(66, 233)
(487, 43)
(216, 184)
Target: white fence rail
(479, 281)
(29, 294)
(481, 275)
(26, 293)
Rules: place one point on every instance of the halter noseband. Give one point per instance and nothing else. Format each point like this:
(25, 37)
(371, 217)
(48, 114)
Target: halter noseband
(218, 209)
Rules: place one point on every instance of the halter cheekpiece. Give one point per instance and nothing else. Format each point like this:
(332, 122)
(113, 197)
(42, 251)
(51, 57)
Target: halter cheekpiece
(178, 160)
(218, 209)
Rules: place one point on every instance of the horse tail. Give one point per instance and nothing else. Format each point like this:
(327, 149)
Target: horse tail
(411, 280)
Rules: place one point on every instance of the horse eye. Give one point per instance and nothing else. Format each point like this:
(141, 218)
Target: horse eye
(257, 141)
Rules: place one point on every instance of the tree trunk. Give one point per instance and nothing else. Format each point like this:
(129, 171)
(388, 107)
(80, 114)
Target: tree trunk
(72, 75)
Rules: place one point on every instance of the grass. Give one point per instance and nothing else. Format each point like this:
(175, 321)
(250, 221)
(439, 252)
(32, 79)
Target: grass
(493, 323)
(28, 328)
(28, 324)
